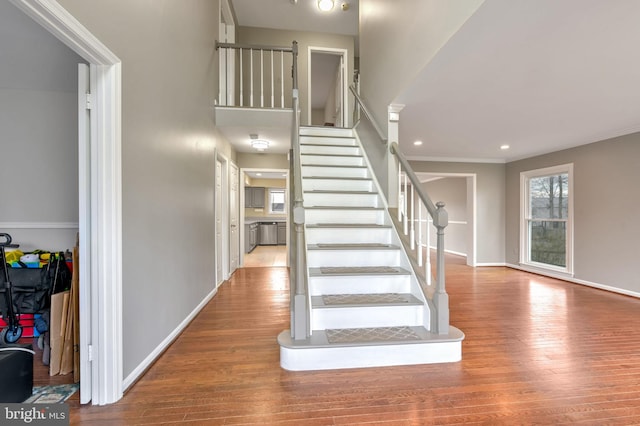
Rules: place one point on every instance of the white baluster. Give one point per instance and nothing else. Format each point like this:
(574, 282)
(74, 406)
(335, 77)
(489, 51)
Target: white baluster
(251, 79)
(405, 201)
(261, 78)
(281, 79)
(419, 234)
(241, 80)
(399, 191)
(273, 87)
(428, 250)
(413, 221)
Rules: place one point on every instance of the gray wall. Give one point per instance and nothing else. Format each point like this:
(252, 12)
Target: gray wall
(453, 192)
(490, 204)
(391, 55)
(606, 205)
(262, 161)
(38, 133)
(271, 37)
(169, 82)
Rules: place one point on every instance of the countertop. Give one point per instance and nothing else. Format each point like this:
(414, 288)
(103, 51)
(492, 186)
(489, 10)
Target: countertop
(250, 220)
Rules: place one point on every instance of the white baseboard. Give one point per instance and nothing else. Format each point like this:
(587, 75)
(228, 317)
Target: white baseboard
(150, 359)
(575, 280)
(491, 264)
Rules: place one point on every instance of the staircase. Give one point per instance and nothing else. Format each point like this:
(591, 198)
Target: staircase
(367, 306)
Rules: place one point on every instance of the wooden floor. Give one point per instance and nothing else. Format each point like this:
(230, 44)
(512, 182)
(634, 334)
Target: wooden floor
(266, 256)
(537, 351)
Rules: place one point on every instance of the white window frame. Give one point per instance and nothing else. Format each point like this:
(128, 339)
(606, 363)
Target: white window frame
(525, 210)
(284, 192)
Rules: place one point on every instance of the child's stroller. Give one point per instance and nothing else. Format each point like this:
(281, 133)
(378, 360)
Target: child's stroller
(13, 331)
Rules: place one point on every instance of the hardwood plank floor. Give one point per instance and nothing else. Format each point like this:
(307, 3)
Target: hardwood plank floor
(266, 256)
(537, 351)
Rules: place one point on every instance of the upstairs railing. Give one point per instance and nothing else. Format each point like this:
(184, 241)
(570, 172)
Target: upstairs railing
(254, 76)
(413, 202)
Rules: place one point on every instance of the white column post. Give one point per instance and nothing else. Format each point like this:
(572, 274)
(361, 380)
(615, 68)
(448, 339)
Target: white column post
(393, 118)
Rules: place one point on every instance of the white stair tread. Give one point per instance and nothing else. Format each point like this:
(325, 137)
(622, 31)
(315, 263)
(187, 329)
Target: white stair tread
(333, 166)
(343, 208)
(335, 191)
(347, 225)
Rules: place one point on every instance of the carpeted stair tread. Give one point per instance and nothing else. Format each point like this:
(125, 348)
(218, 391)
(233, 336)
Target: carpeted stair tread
(372, 335)
(325, 271)
(347, 225)
(375, 299)
(352, 246)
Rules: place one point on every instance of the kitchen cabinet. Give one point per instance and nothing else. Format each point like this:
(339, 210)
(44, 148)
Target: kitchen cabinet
(282, 233)
(250, 236)
(254, 197)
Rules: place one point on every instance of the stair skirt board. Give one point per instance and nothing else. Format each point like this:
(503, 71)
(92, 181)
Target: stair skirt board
(318, 354)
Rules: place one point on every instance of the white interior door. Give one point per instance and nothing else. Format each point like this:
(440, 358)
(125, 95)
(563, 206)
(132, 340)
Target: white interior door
(84, 216)
(234, 234)
(218, 212)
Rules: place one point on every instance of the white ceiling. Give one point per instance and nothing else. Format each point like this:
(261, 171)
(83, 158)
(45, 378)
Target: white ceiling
(539, 76)
(300, 15)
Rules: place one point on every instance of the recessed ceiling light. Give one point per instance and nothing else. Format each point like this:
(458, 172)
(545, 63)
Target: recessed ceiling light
(504, 147)
(325, 5)
(417, 143)
(258, 174)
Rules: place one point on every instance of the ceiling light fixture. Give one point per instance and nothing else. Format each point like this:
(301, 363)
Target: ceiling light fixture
(258, 144)
(504, 147)
(417, 143)
(325, 5)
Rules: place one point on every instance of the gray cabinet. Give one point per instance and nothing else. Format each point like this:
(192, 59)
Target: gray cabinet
(282, 233)
(250, 237)
(254, 197)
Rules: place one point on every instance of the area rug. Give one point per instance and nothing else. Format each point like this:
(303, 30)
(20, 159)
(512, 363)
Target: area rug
(52, 394)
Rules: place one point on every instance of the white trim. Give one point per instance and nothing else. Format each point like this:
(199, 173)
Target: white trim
(39, 225)
(456, 159)
(105, 239)
(149, 360)
(345, 79)
(525, 177)
(573, 280)
(492, 264)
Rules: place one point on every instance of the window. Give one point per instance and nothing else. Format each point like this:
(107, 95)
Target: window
(276, 200)
(546, 225)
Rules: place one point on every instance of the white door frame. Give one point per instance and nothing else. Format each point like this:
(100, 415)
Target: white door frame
(345, 80)
(101, 222)
(224, 210)
(234, 203)
(471, 179)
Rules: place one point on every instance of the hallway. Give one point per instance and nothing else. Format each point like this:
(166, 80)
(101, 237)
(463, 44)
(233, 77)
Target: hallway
(266, 256)
(537, 350)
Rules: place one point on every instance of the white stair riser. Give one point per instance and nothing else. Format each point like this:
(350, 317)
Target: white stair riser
(367, 284)
(348, 235)
(325, 140)
(325, 131)
(336, 184)
(317, 258)
(313, 216)
(346, 200)
(319, 171)
(331, 160)
(331, 358)
(329, 149)
(366, 316)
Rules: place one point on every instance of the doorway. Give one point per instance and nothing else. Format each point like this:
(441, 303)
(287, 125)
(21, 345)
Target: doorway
(327, 87)
(100, 302)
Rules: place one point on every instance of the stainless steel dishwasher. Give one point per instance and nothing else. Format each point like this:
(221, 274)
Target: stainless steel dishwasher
(268, 233)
